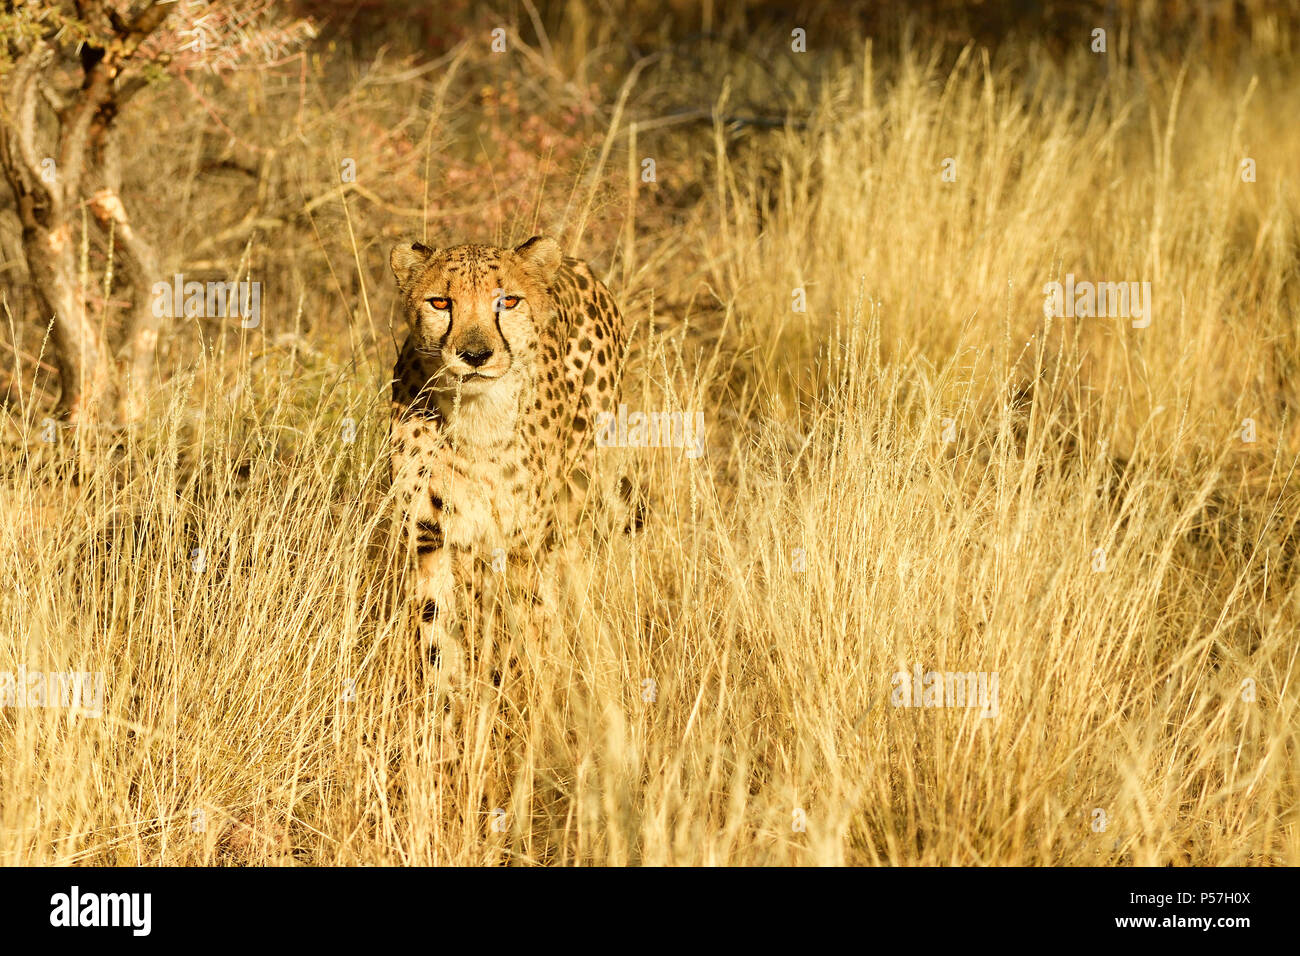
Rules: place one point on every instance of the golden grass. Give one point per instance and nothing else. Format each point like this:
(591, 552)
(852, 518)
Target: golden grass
(703, 693)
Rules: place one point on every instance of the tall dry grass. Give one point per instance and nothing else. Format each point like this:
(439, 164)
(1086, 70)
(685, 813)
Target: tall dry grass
(918, 471)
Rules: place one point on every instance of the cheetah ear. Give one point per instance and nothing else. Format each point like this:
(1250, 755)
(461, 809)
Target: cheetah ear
(541, 254)
(407, 258)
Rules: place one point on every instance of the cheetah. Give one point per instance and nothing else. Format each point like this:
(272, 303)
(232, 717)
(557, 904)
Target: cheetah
(511, 355)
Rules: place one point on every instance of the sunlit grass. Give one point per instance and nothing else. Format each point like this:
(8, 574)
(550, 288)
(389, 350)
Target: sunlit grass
(918, 471)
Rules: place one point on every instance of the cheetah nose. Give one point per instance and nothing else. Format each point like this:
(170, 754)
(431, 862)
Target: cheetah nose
(476, 359)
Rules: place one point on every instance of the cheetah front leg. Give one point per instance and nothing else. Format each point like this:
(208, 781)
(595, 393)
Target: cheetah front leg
(533, 604)
(435, 604)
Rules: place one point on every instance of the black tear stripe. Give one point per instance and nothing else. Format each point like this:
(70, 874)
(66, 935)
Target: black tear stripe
(496, 318)
(428, 612)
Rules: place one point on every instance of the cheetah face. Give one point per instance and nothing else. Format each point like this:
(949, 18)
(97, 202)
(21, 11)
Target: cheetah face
(476, 310)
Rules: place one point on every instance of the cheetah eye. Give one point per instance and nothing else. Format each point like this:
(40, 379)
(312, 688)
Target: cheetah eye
(439, 303)
(508, 301)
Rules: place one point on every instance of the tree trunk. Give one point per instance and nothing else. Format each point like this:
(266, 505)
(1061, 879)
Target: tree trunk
(80, 353)
(50, 197)
(139, 260)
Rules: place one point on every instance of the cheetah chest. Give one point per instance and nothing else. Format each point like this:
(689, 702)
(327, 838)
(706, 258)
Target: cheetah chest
(469, 478)
(485, 501)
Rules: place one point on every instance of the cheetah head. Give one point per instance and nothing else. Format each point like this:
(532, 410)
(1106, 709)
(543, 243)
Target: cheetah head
(476, 310)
